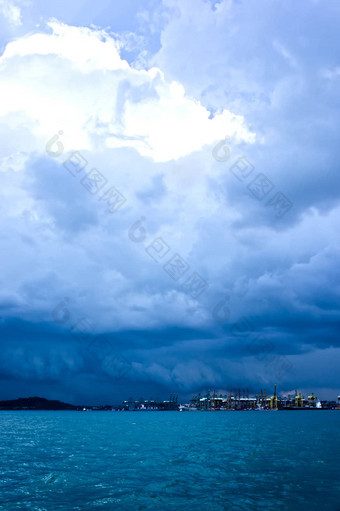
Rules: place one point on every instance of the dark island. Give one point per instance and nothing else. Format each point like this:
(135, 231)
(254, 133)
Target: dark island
(35, 403)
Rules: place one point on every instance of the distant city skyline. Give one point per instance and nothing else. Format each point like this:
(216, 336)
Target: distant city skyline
(237, 399)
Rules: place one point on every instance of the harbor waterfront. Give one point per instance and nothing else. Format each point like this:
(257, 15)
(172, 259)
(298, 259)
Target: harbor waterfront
(211, 401)
(234, 401)
(66, 460)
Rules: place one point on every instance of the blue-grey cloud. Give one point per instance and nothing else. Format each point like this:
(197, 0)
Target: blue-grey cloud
(270, 83)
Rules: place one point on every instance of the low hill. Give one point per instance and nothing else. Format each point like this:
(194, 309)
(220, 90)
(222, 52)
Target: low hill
(35, 403)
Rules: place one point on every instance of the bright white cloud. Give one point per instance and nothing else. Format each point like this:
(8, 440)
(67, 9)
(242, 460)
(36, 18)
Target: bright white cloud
(88, 49)
(74, 79)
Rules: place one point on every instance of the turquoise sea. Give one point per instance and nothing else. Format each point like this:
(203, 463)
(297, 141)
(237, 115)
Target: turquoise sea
(193, 461)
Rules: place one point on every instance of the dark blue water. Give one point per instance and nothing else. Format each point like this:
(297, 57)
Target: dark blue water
(169, 460)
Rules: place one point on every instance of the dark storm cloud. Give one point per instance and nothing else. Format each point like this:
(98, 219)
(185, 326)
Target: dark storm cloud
(67, 259)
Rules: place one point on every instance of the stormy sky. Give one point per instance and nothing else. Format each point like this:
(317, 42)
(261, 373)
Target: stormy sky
(170, 199)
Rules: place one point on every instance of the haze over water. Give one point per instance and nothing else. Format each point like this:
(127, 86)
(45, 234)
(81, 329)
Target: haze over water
(167, 460)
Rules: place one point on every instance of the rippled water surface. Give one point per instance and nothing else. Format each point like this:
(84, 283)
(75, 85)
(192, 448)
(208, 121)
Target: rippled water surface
(169, 460)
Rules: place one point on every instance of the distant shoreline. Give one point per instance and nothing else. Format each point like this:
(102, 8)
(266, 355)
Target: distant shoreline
(43, 404)
(113, 409)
